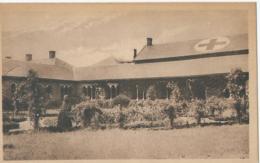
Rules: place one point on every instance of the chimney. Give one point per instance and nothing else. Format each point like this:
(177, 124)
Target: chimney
(28, 57)
(52, 54)
(135, 53)
(149, 41)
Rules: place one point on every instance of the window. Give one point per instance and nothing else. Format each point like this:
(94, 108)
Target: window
(49, 89)
(13, 88)
(84, 90)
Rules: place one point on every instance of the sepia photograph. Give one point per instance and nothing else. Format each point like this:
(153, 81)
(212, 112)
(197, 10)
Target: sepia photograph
(128, 81)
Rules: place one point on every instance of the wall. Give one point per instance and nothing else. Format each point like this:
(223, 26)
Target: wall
(212, 85)
(55, 85)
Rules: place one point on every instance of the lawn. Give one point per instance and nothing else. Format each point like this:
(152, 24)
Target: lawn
(199, 142)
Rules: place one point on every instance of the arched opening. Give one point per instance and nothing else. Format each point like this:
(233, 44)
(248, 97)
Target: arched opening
(49, 89)
(65, 90)
(197, 89)
(93, 92)
(113, 91)
(168, 92)
(84, 91)
(69, 90)
(62, 91)
(13, 88)
(89, 91)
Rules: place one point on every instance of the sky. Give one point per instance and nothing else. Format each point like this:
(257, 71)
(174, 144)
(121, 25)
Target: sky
(83, 35)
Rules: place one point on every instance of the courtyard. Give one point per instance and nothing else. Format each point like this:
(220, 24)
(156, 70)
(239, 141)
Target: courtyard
(228, 141)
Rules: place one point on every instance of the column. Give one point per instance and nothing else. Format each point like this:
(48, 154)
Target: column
(167, 93)
(91, 92)
(137, 92)
(110, 90)
(89, 86)
(111, 85)
(206, 93)
(116, 85)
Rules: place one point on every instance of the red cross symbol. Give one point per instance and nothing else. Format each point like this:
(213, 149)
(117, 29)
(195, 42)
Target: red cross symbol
(212, 44)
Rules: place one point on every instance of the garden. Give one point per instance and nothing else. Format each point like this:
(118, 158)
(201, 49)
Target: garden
(151, 128)
(125, 113)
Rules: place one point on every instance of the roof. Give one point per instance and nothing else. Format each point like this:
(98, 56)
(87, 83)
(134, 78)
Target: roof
(110, 69)
(58, 70)
(193, 47)
(184, 68)
(107, 61)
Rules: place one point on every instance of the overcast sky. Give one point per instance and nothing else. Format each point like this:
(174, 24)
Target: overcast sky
(85, 34)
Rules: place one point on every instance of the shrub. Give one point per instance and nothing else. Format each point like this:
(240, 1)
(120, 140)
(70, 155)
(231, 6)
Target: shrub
(121, 100)
(91, 112)
(171, 113)
(175, 92)
(147, 110)
(64, 121)
(110, 116)
(7, 103)
(10, 125)
(53, 104)
(213, 105)
(182, 109)
(197, 109)
(151, 92)
(220, 108)
(75, 100)
(122, 119)
(103, 103)
(87, 111)
(237, 89)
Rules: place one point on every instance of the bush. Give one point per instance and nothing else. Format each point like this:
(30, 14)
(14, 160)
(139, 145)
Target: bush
(91, 112)
(220, 108)
(64, 121)
(122, 100)
(53, 104)
(122, 119)
(105, 104)
(216, 105)
(170, 110)
(175, 92)
(182, 108)
(153, 111)
(7, 103)
(236, 87)
(147, 110)
(197, 109)
(87, 111)
(10, 125)
(75, 100)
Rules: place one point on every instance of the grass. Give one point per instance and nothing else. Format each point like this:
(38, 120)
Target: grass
(199, 142)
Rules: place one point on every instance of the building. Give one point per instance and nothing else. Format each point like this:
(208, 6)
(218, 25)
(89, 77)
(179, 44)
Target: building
(198, 67)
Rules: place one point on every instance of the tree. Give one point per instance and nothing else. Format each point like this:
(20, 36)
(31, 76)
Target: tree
(151, 92)
(237, 90)
(121, 100)
(32, 91)
(170, 110)
(175, 92)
